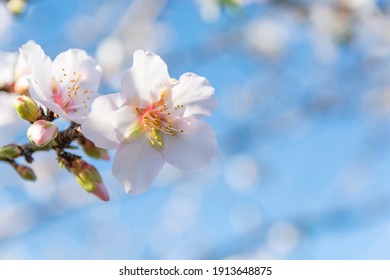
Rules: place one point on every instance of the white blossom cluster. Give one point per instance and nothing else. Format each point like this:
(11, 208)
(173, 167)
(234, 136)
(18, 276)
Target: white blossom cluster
(154, 119)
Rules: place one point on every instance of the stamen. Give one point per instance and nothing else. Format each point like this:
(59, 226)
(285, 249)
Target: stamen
(157, 120)
(72, 100)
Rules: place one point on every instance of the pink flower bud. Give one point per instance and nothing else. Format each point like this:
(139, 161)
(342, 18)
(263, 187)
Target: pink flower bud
(42, 132)
(89, 178)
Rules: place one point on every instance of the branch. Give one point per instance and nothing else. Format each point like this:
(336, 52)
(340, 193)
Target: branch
(61, 142)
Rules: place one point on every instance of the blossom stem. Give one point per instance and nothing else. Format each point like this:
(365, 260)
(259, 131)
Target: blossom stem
(48, 116)
(61, 142)
(29, 149)
(66, 137)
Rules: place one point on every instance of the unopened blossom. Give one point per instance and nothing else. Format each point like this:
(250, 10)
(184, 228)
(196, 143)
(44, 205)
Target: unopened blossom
(27, 108)
(66, 85)
(95, 152)
(26, 172)
(153, 120)
(10, 151)
(89, 178)
(42, 132)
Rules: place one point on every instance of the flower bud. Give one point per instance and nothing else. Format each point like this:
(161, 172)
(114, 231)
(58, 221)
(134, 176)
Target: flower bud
(93, 151)
(10, 151)
(16, 6)
(42, 132)
(26, 172)
(89, 178)
(27, 108)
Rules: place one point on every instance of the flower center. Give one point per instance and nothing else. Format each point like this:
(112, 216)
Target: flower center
(157, 121)
(70, 95)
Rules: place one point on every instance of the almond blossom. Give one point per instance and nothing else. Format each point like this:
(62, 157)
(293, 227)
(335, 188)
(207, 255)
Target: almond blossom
(153, 120)
(66, 85)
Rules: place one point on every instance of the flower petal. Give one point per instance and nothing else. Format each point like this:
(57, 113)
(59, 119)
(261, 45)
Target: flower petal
(76, 79)
(39, 95)
(40, 67)
(106, 120)
(192, 149)
(147, 77)
(136, 165)
(68, 65)
(195, 94)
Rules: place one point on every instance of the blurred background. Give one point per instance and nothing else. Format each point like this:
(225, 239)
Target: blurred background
(303, 90)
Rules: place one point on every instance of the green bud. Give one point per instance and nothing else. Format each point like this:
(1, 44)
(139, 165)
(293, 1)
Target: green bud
(26, 172)
(10, 151)
(89, 178)
(27, 108)
(93, 151)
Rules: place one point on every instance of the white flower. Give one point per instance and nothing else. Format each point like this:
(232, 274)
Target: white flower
(152, 121)
(66, 85)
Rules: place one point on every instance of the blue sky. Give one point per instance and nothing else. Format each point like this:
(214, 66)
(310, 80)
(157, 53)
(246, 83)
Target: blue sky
(290, 181)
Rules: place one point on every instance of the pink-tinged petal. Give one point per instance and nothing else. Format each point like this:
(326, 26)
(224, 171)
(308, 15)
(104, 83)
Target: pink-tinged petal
(147, 77)
(38, 92)
(136, 165)
(106, 118)
(40, 68)
(194, 148)
(195, 94)
(101, 192)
